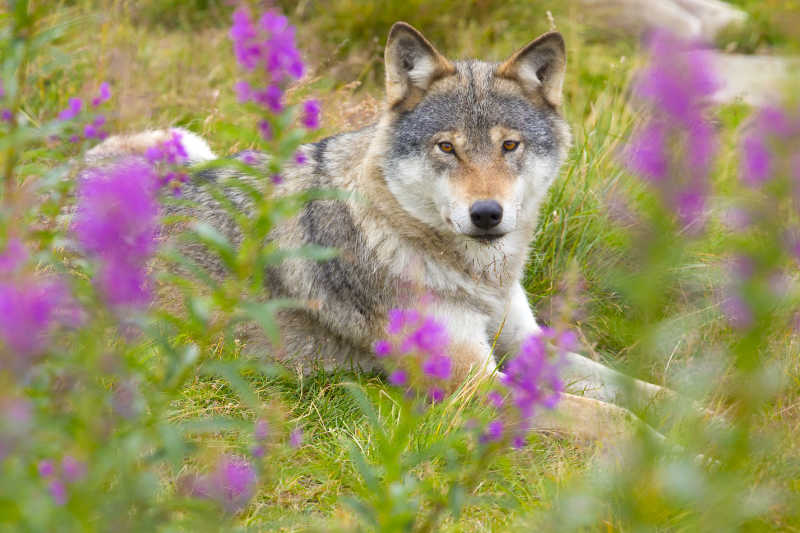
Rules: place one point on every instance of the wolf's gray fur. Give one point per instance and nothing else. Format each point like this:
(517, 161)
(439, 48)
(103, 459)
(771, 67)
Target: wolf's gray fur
(446, 188)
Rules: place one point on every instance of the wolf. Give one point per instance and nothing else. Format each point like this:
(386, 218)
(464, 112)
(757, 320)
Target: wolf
(445, 191)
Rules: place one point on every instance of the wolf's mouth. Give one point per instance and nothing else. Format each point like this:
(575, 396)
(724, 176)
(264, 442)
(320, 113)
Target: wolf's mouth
(488, 237)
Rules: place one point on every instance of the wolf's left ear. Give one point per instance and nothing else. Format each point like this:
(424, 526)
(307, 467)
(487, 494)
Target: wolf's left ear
(412, 64)
(539, 67)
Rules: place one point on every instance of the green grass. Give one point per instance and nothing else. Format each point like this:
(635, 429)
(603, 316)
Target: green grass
(172, 65)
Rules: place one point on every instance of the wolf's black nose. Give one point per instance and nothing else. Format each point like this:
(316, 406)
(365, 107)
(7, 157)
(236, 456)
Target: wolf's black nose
(486, 214)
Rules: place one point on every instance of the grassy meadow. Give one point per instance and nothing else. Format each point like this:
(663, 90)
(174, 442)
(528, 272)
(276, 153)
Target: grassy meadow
(171, 64)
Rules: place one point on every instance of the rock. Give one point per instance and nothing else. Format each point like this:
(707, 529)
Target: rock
(691, 19)
(754, 80)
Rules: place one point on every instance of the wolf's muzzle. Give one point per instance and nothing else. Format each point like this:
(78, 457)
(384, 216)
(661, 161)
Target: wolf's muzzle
(486, 214)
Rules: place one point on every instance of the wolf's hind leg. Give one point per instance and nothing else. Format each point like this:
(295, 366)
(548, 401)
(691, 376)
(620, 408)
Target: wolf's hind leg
(591, 419)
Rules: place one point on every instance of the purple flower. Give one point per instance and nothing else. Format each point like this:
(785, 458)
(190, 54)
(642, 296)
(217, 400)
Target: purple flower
(756, 163)
(270, 44)
(6, 115)
(311, 109)
(674, 148)
(29, 309)
(494, 431)
(232, 484)
(243, 91)
(103, 94)
(117, 222)
(261, 430)
(72, 469)
(45, 468)
(58, 491)
(436, 394)
(296, 437)
(73, 109)
(258, 452)
(270, 98)
(300, 158)
(496, 399)
(400, 318)
(438, 366)
(276, 179)
(531, 379)
(265, 128)
(398, 378)
(383, 348)
(431, 337)
(737, 312)
(13, 257)
(679, 76)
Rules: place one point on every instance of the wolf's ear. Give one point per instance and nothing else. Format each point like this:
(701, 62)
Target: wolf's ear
(412, 64)
(539, 67)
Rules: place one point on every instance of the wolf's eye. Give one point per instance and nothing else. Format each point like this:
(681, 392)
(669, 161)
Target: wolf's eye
(446, 147)
(510, 146)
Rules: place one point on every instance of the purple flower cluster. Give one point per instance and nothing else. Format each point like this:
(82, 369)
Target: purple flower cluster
(419, 346)
(30, 307)
(530, 381)
(674, 148)
(93, 129)
(166, 157)
(232, 484)
(770, 167)
(117, 223)
(770, 147)
(267, 46)
(71, 471)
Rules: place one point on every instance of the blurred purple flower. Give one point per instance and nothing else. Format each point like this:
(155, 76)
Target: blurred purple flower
(117, 222)
(270, 98)
(383, 348)
(300, 158)
(103, 94)
(6, 115)
(258, 452)
(261, 429)
(494, 431)
(400, 318)
(265, 128)
(430, 338)
(496, 399)
(398, 378)
(45, 468)
(674, 148)
(737, 312)
(756, 160)
(232, 484)
(436, 394)
(270, 45)
(13, 257)
(72, 469)
(276, 179)
(29, 309)
(647, 153)
(73, 109)
(58, 491)
(311, 110)
(532, 381)
(296, 437)
(437, 366)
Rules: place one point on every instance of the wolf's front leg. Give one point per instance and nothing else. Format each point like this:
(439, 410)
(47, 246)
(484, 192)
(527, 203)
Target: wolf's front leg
(581, 375)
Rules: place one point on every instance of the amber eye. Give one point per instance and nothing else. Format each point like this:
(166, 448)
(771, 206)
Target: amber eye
(510, 146)
(446, 147)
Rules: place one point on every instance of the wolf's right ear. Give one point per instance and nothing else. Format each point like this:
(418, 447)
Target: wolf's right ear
(412, 64)
(539, 67)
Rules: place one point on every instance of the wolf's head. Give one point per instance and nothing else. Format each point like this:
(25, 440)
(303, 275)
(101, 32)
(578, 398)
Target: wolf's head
(473, 146)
